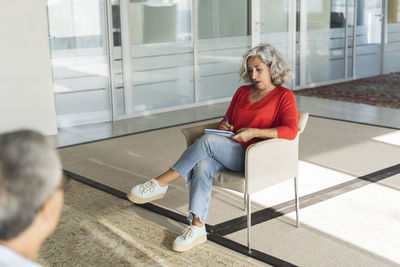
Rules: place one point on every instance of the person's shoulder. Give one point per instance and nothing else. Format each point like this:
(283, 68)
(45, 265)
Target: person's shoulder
(9, 257)
(243, 88)
(285, 95)
(284, 90)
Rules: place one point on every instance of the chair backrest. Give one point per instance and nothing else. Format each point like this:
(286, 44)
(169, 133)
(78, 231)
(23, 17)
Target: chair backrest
(192, 133)
(302, 120)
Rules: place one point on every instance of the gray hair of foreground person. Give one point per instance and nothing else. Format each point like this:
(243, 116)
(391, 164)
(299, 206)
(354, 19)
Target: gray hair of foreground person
(30, 172)
(278, 67)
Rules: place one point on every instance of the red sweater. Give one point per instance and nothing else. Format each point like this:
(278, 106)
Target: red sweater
(276, 110)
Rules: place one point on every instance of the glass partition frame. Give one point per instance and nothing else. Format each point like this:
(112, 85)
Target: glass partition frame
(296, 51)
(200, 97)
(351, 45)
(205, 61)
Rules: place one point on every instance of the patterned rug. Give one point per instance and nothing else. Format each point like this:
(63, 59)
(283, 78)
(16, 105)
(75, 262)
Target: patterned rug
(97, 229)
(383, 90)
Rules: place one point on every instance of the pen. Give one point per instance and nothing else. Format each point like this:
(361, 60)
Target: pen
(226, 118)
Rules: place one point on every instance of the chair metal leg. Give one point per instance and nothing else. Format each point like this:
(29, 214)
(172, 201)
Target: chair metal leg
(248, 222)
(296, 203)
(244, 202)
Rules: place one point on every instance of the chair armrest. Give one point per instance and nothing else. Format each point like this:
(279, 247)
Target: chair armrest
(192, 133)
(270, 162)
(302, 120)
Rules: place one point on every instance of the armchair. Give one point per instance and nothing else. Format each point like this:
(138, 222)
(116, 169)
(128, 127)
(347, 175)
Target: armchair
(261, 171)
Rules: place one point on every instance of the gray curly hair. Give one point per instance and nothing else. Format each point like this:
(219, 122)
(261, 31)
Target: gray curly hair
(279, 69)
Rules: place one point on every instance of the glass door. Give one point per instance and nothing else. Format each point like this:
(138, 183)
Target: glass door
(79, 49)
(331, 34)
(184, 53)
(370, 18)
(323, 41)
(223, 37)
(157, 47)
(392, 37)
(274, 22)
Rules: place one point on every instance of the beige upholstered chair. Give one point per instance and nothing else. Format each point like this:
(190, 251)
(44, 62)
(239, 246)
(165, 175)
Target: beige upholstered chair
(267, 163)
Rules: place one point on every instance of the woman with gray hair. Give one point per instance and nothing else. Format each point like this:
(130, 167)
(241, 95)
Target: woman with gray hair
(260, 110)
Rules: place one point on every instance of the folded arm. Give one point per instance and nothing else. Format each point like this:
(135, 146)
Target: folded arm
(246, 134)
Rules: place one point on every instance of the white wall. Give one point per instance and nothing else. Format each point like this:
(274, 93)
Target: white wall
(26, 89)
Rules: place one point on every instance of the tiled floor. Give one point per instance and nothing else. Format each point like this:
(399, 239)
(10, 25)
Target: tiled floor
(326, 222)
(380, 116)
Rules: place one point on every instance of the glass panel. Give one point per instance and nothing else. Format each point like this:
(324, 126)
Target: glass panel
(368, 49)
(118, 60)
(162, 53)
(325, 40)
(392, 47)
(297, 75)
(350, 41)
(274, 26)
(80, 61)
(223, 38)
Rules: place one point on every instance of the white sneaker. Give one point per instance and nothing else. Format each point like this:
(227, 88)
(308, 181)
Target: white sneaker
(191, 236)
(149, 191)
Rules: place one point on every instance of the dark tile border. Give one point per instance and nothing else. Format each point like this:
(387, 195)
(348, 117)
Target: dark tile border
(255, 254)
(266, 258)
(270, 213)
(151, 207)
(217, 232)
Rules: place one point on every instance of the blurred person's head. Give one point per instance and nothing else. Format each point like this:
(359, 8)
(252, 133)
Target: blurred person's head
(31, 195)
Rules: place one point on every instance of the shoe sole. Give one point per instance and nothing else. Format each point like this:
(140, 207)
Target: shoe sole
(181, 248)
(138, 200)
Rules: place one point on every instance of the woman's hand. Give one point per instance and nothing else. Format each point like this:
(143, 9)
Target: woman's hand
(226, 126)
(245, 134)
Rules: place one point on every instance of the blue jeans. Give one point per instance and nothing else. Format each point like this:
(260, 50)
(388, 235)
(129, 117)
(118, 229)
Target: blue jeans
(199, 163)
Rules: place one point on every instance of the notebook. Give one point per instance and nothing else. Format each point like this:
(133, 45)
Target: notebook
(220, 132)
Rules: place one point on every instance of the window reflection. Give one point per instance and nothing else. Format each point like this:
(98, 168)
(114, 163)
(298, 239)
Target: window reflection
(79, 60)
(162, 54)
(392, 45)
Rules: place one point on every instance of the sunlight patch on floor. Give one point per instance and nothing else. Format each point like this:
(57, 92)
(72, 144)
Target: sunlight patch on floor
(368, 218)
(312, 178)
(392, 138)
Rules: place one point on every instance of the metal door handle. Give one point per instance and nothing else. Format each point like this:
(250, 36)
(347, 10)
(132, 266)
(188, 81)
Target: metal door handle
(381, 17)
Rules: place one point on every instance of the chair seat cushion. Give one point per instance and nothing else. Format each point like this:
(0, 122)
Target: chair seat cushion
(230, 180)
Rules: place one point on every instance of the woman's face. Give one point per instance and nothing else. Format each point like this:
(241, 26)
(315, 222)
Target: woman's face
(259, 73)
